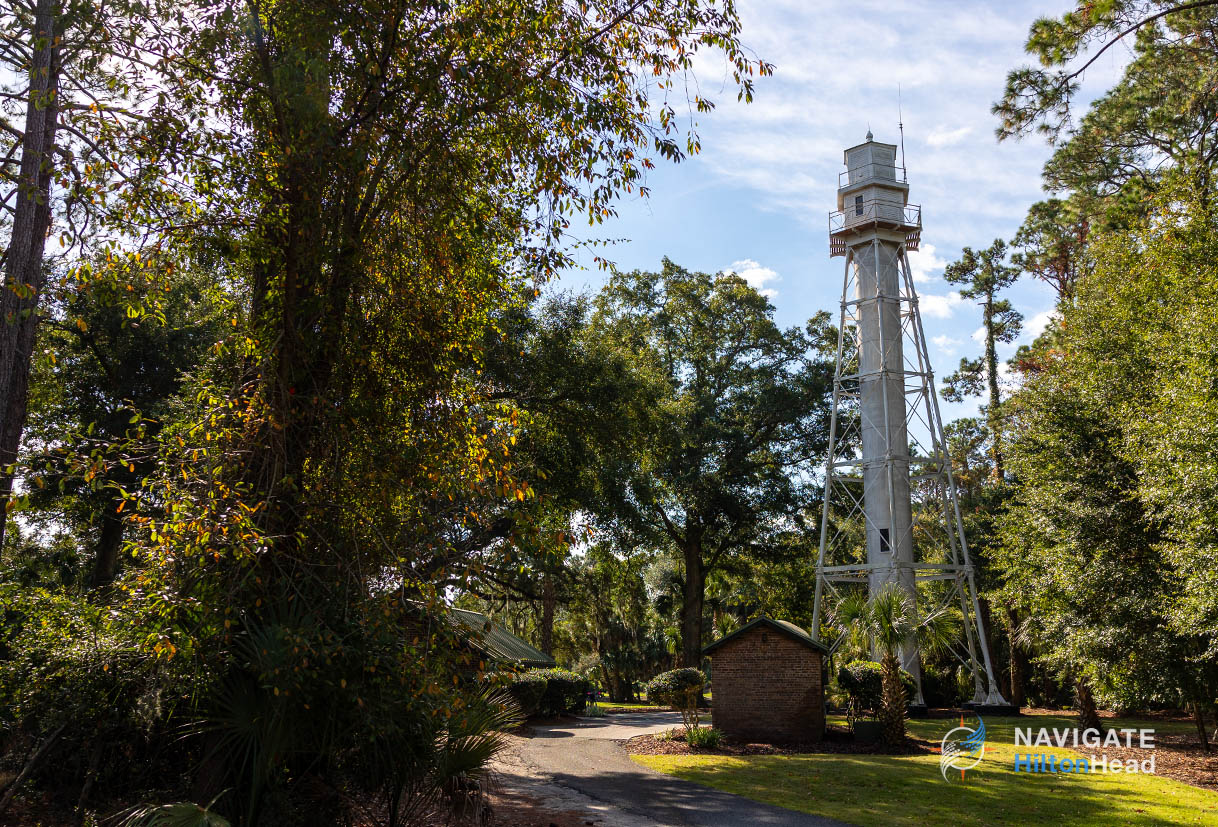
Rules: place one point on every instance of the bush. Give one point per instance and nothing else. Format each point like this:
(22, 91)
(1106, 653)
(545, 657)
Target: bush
(75, 679)
(527, 690)
(940, 687)
(678, 688)
(703, 737)
(863, 681)
(565, 692)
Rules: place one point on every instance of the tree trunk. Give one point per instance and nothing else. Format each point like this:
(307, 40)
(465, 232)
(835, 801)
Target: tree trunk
(1050, 689)
(1019, 662)
(24, 276)
(691, 608)
(1088, 715)
(548, 601)
(108, 544)
(623, 688)
(991, 372)
(86, 789)
(16, 783)
(1199, 718)
(893, 702)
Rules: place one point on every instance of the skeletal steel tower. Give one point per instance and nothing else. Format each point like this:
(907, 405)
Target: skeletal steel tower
(886, 435)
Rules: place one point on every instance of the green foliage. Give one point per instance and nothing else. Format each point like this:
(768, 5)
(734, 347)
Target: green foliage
(77, 679)
(565, 693)
(888, 620)
(278, 411)
(1157, 122)
(738, 417)
(611, 616)
(172, 815)
(105, 382)
(1158, 118)
(678, 688)
(1040, 98)
(863, 682)
(1051, 245)
(682, 690)
(527, 690)
(703, 737)
(941, 685)
(1107, 544)
(983, 275)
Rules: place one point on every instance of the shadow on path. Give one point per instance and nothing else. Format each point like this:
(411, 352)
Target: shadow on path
(599, 769)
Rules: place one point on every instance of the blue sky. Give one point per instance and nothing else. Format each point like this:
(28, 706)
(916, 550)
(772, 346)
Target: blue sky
(758, 196)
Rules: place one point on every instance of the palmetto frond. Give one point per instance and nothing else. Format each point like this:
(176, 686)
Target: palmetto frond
(180, 814)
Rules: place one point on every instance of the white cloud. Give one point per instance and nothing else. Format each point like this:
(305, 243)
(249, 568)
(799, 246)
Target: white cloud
(923, 263)
(979, 335)
(946, 344)
(756, 275)
(940, 307)
(837, 66)
(947, 137)
(1034, 326)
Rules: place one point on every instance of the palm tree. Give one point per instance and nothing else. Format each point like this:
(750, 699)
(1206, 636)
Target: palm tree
(886, 621)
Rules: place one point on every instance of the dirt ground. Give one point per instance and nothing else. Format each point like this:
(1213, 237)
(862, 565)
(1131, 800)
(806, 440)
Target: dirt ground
(837, 741)
(513, 809)
(508, 809)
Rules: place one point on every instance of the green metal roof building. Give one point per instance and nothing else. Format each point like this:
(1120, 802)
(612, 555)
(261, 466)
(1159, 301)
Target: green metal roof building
(497, 643)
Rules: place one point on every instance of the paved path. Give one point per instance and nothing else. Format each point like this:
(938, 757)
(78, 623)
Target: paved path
(581, 765)
(617, 727)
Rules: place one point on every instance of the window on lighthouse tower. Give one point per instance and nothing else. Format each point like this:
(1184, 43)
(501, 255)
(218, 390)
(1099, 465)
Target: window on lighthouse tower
(858, 205)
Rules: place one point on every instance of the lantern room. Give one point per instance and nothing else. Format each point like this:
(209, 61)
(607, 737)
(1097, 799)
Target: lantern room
(873, 193)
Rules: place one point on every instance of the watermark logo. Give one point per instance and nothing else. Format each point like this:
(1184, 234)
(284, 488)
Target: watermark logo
(962, 748)
(1089, 739)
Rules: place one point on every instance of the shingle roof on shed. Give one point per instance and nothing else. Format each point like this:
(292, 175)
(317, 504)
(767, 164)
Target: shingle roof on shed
(497, 642)
(781, 626)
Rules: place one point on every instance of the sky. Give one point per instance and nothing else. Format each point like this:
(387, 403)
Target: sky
(756, 199)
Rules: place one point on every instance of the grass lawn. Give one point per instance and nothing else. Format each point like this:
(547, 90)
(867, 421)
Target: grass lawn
(642, 703)
(609, 705)
(889, 789)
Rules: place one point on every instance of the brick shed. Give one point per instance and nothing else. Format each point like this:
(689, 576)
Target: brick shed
(766, 683)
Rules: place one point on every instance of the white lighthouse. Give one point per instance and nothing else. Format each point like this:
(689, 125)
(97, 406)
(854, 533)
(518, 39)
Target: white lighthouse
(886, 437)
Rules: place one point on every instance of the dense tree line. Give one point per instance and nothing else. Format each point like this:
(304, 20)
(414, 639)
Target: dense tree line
(265, 263)
(1095, 547)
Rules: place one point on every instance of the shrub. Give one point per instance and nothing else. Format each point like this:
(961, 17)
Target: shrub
(940, 687)
(76, 682)
(703, 737)
(565, 692)
(862, 681)
(678, 688)
(527, 690)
